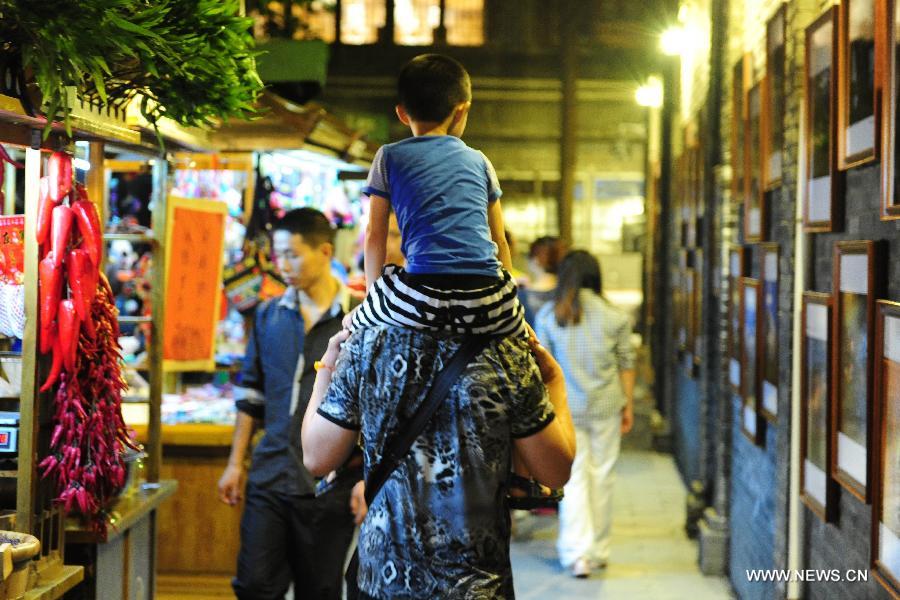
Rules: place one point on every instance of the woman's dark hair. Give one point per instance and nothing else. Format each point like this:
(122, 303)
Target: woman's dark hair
(430, 86)
(547, 251)
(578, 270)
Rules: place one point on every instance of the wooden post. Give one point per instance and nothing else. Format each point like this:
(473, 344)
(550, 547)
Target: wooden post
(29, 399)
(155, 351)
(568, 144)
(386, 33)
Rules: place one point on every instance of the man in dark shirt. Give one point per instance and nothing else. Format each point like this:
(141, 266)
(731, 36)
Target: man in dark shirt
(287, 534)
(439, 527)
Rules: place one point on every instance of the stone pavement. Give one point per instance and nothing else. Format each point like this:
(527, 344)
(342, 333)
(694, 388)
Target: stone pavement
(651, 557)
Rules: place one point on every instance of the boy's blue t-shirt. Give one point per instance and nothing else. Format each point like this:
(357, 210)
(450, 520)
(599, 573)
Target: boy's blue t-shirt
(439, 188)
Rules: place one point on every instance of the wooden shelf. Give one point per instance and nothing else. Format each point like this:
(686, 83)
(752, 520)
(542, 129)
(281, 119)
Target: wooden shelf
(138, 238)
(135, 399)
(126, 511)
(87, 122)
(135, 320)
(67, 578)
(191, 434)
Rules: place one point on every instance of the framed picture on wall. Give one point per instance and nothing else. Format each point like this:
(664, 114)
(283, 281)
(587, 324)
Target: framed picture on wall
(740, 77)
(820, 177)
(699, 337)
(751, 424)
(817, 488)
(690, 313)
(754, 205)
(690, 212)
(702, 133)
(774, 97)
(768, 325)
(737, 269)
(681, 301)
(856, 92)
(886, 499)
(678, 193)
(855, 265)
(890, 191)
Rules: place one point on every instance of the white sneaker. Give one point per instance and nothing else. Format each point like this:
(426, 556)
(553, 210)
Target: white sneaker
(581, 568)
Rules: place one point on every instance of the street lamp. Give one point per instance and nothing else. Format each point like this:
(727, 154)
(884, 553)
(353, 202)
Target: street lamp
(650, 94)
(674, 40)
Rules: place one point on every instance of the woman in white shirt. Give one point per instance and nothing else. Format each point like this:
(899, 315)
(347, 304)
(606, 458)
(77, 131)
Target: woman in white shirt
(591, 339)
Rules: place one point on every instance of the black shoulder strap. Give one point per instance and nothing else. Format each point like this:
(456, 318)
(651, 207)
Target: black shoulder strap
(399, 445)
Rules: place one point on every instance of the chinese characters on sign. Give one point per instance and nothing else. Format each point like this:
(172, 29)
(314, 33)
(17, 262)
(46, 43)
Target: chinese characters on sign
(196, 233)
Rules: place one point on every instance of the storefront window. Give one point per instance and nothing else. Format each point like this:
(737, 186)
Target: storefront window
(415, 21)
(318, 18)
(312, 21)
(361, 20)
(464, 20)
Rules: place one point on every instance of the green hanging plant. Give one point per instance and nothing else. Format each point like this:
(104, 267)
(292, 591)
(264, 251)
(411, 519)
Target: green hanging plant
(192, 60)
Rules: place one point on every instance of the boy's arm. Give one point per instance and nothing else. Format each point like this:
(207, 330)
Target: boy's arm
(376, 237)
(498, 233)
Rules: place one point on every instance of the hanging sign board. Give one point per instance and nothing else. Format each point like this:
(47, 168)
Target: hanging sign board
(195, 236)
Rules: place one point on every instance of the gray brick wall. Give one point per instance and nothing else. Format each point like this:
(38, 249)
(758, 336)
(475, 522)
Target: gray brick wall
(756, 480)
(845, 544)
(752, 517)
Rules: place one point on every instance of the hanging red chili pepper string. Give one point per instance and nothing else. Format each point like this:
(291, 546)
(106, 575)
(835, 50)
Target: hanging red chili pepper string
(81, 330)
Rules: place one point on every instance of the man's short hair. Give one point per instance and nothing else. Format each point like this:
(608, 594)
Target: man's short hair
(309, 223)
(430, 86)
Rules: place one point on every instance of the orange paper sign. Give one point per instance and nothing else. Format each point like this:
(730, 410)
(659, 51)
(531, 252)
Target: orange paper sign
(194, 246)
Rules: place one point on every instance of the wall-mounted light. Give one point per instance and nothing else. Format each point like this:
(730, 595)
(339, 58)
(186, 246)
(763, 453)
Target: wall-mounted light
(651, 93)
(674, 40)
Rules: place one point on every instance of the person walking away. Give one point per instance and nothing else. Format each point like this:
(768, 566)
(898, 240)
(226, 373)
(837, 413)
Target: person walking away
(544, 255)
(288, 534)
(591, 339)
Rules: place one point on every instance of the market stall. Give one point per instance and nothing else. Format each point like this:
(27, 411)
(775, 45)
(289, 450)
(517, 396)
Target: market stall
(32, 431)
(198, 409)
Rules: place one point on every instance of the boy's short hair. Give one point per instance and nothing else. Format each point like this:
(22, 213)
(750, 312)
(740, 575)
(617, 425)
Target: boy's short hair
(309, 223)
(430, 86)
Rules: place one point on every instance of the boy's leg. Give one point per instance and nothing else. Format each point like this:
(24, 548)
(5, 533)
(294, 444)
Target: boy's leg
(262, 568)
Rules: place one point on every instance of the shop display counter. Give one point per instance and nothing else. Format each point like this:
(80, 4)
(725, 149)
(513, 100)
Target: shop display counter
(196, 455)
(123, 558)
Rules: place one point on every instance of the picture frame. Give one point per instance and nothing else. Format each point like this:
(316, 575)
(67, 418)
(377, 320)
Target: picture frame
(699, 337)
(740, 78)
(886, 498)
(774, 97)
(752, 425)
(737, 269)
(754, 204)
(680, 301)
(890, 135)
(690, 301)
(690, 206)
(700, 173)
(768, 324)
(678, 202)
(817, 488)
(857, 84)
(855, 291)
(823, 185)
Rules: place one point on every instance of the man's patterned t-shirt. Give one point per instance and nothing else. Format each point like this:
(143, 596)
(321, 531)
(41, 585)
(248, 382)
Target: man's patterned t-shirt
(439, 528)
